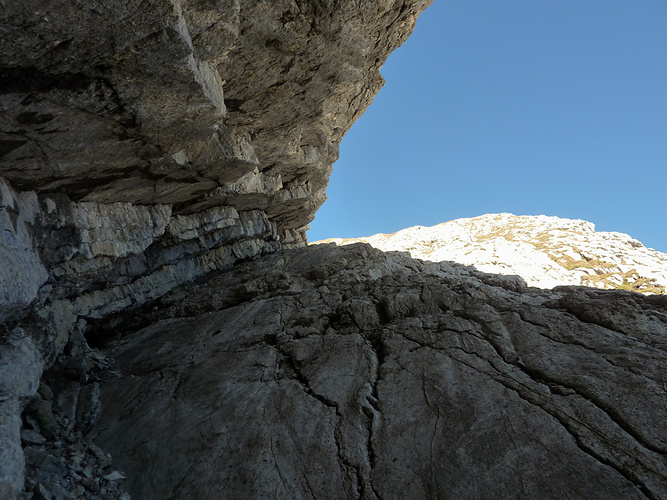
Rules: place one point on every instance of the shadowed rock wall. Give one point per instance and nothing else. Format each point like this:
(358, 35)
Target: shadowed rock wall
(145, 143)
(343, 372)
(158, 159)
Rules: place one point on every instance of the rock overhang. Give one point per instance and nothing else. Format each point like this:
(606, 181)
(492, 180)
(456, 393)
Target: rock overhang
(145, 144)
(188, 102)
(121, 121)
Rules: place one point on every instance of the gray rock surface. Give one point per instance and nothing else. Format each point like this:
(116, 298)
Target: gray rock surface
(173, 102)
(164, 333)
(21, 367)
(146, 144)
(22, 270)
(121, 118)
(332, 372)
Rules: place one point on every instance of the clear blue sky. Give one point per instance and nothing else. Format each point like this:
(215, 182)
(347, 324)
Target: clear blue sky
(523, 106)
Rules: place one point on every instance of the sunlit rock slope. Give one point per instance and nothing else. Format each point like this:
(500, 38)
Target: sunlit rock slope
(544, 251)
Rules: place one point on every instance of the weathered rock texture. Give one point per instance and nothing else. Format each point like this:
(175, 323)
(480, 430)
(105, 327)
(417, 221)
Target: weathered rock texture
(144, 144)
(189, 103)
(124, 122)
(544, 251)
(159, 335)
(343, 372)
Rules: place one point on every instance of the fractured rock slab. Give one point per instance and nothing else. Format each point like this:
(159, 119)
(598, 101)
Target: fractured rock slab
(342, 371)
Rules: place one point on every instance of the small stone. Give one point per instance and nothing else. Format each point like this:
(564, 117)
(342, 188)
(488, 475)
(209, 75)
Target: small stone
(34, 455)
(55, 466)
(32, 437)
(30, 421)
(57, 491)
(45, 391)
(97, 452)
(90, 484)
(41, 492)
(114, 476)
(88, 472)
(39, 415)
(76, 456)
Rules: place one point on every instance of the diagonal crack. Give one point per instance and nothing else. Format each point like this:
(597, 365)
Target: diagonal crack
(299, 376)
(567, 421)
(373, 411)
(434, 476)
(614, 416)
(534, 373)
(303, 380)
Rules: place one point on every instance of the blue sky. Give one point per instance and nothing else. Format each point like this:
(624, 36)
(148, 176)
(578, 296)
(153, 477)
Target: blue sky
(523, 106)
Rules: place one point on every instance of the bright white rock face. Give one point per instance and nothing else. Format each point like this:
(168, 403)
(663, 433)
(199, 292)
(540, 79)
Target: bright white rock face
(545, 251)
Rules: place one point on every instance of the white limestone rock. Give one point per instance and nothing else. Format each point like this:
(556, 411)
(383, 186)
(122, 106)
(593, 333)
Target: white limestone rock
(118, 229)
(545, 251)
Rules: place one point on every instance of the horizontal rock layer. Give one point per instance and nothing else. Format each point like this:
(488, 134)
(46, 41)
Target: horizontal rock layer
(69, 265)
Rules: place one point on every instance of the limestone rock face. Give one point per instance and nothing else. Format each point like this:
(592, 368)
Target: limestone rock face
(344, 372)
(166, 333)
(189, 103)
(545, 251)
(118, 119)
(144, 144)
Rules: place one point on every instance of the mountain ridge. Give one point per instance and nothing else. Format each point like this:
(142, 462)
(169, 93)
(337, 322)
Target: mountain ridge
(545, 251)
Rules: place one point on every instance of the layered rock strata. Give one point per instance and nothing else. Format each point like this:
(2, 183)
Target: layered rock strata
(116, 116)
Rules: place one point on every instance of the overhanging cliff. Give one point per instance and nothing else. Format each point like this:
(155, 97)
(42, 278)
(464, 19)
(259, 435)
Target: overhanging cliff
(127, 125)
(190, 103)
(144, 144)
(159, 163)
